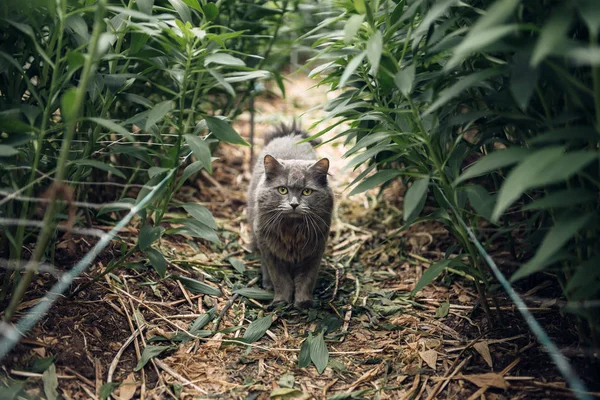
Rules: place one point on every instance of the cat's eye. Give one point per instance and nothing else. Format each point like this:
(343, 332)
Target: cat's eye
(282, 190)
(307, 192)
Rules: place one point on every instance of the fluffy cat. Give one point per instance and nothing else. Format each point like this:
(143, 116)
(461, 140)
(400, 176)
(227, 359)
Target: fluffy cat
(289, 211)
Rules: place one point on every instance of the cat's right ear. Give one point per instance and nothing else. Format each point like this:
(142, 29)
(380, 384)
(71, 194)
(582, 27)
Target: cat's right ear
(272, 167)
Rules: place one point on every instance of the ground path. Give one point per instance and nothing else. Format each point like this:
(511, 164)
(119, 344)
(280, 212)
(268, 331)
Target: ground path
(381, 342)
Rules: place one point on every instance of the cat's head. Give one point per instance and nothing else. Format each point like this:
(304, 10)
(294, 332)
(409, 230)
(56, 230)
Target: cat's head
(296, 187)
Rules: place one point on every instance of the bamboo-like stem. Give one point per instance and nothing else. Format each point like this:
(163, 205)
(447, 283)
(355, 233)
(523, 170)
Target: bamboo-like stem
(49, 226)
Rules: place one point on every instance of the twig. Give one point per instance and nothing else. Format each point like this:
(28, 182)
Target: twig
(229, 304)
(177, 376)
(115, 362)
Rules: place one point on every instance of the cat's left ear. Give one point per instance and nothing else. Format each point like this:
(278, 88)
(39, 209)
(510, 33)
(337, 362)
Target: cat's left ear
(272, 166)
(320, 169)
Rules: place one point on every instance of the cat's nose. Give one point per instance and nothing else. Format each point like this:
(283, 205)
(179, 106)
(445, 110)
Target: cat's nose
(294, 203)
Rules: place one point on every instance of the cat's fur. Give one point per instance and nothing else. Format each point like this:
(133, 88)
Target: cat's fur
(291, 240)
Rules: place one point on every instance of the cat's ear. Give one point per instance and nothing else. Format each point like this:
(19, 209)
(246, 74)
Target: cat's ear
(272, 166)
(320, 169)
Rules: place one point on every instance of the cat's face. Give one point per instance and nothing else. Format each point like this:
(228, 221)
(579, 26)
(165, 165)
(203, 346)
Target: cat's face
(295, 188)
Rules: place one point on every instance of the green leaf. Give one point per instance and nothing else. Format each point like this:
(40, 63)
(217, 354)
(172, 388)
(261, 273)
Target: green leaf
(523, 79)
(319, 354)
(430, 274)
(494, 161)
(464, 83)
(182, 10)
(414, 199)
(155, 171)
(223, 59)
(359, 6)
(211, 11)
(562, 199)
(200, 150)
(50, 381)
(562, 231)
(474, 43)
(352, 27)
(107, 389)
(68, 107)
(286, 381)
(39, 365)
(258, 328)
(7, 151)
(286, 393)
(404, 79)
(577, 132)
(113, 126)
(255, 293)
(590, 13)
(100, 165)
(237, 265)
(544, 167)
(442, 310)
(351, 67)
(145, 6)
(374, 49)
(149, 353)
(157, 113)
(191, 169)
(480, 200)
(201, 321)
(224, 132)
(194, 228)
(200, 214)
(197, 286)
(149, 235)
(193, 4)
(374, 180)
(157, 260)
(552, 34)
(304, 355)
(586, 275)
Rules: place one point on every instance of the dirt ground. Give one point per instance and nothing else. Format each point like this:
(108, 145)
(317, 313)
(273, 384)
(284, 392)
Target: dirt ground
(382, 343)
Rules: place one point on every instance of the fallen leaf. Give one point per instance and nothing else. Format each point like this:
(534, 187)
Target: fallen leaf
(483, 349)
(430, 358)
(491, 379)
(128, 387)
(40, 351)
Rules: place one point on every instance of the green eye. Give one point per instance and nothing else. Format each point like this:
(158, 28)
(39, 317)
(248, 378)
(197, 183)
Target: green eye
(307, 192)
(282, 190)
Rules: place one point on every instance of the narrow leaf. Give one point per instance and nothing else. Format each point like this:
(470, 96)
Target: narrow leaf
(197, 286)
(562, 231)
(351, 67)
(374, 49)
(304, 355)
(562, 199)
(255, 293)
(258, 328)
(158, 262)
(100, 165)
(552, 34)
(352, 26)
(224, 132)
(404, 79)
(374, 180)
(113, 126)
(319, 354)
(200, 214)
(67, 104)
(50, 381)
(149, 353)
(414, 198)
(237, 264)
(223, 59)
(430, 274)
(494, 161)
(158, 113)
(149, 235)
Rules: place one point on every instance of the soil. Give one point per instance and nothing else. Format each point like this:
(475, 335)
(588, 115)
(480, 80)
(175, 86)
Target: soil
(382, 343)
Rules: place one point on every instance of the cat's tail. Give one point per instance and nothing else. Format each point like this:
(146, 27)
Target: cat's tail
(284, 130)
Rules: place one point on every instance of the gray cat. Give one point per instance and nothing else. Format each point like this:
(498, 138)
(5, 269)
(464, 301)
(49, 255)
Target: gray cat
(289, 211)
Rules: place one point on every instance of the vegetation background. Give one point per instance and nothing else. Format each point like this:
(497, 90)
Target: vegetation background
(484, 118)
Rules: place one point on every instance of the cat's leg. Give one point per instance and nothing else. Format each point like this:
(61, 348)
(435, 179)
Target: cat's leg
(281, 278)
(304, 282)
(266, 278)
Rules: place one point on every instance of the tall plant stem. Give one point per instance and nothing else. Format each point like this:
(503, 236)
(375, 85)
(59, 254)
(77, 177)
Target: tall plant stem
(38, 144)
(48, 223)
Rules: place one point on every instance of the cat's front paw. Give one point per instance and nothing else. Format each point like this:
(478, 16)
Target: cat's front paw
(303, 304)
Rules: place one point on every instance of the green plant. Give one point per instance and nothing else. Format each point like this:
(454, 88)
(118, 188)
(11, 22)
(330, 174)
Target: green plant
(435, 86)
(126, 110)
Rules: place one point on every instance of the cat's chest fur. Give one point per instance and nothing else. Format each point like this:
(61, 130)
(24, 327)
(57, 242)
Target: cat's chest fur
(289, 242)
